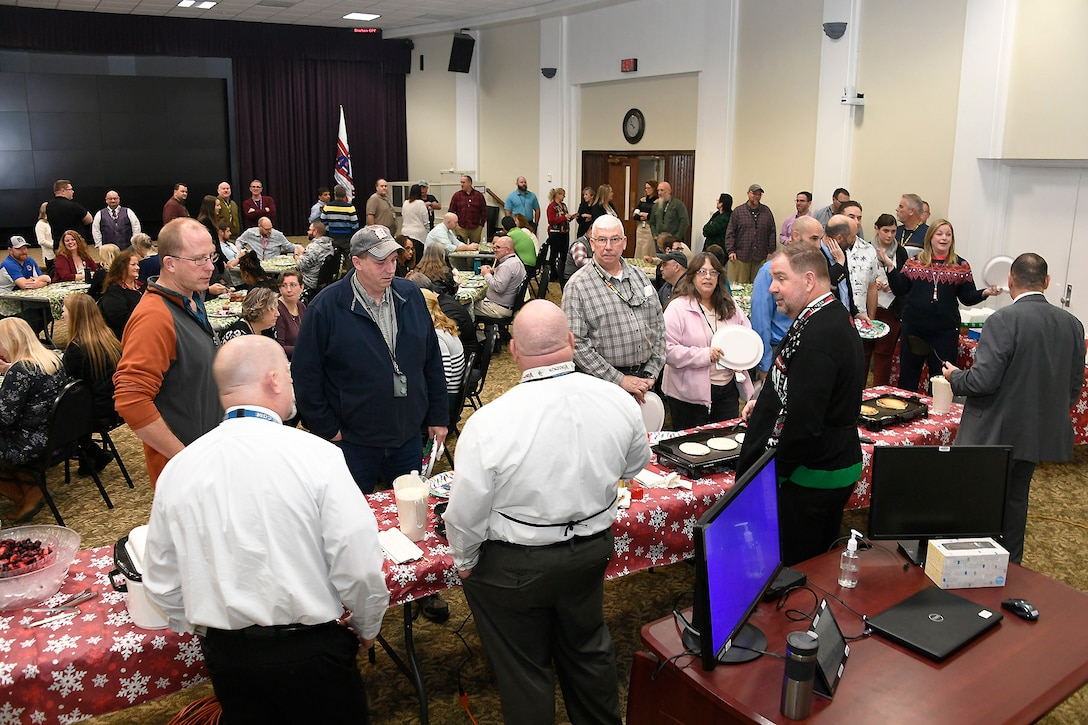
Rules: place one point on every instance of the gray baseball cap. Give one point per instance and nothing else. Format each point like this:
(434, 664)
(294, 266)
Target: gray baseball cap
(677, 257)
(376, 240)
(18, 241)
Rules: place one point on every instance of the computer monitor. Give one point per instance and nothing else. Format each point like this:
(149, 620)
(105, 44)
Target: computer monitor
(937, 492)
(737, 555)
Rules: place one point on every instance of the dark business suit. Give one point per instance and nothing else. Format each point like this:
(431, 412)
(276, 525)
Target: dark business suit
(1028, 372)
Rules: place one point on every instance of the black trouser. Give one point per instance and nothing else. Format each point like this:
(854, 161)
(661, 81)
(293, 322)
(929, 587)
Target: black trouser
(724, 402)
(539, 605)
(266, 675)
(809, 519)
(1016, 509)
(558, 242)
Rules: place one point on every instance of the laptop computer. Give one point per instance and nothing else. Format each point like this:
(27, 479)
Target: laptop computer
(934, 622)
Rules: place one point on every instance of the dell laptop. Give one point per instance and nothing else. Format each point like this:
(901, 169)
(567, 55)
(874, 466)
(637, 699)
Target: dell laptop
(934, 622)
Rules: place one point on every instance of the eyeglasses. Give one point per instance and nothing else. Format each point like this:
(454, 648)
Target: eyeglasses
(610, 241)
(198, 261)
(707, 272)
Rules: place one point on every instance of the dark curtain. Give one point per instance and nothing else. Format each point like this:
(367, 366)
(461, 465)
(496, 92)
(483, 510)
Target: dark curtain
(289, 82)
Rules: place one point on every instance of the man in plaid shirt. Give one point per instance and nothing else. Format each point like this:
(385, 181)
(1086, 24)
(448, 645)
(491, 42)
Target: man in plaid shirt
(614, 313)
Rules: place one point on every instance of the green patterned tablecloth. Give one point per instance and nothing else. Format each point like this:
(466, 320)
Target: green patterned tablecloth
(472, 289)
(219, 312)
(12, 303)
(279, 264)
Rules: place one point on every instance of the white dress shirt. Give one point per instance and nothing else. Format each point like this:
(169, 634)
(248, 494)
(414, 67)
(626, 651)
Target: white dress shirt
(548, 451)
(260, 523)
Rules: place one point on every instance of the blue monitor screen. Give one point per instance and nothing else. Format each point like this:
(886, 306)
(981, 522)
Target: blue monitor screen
(741, 553)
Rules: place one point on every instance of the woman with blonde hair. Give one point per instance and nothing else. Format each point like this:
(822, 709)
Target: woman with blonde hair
(453, 352)
(73, 263)
(44, 234)
(105, 257)
(260, 310)
(437, 269)
(150, 264)
(558, 232)
(91, 356)
(602, 203)
(33, 378)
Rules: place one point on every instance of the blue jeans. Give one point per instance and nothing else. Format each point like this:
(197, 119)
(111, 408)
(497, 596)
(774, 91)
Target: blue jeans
(369, 463)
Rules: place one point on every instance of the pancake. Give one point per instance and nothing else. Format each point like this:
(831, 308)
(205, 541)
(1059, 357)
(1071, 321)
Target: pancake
(869, 410)
(739, 437)
(691, 448)
(892, 403)
(723, 444)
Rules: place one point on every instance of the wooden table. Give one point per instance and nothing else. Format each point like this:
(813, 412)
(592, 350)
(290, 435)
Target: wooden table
(1016, 673)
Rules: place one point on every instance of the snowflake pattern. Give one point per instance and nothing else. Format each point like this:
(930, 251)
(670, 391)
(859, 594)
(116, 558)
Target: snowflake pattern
(11, 715)
(68, 680)
(133, 687)
(100, 680)
(5, 673)
(30, 672)
(37, 717)
(62, 643)
(159, 642)
(128, 644)
(119, 618)
(5, 623)
(162, 683)
(5, 645)
(73, 717)
(622, 543)
(189, 651)
(657, 518)
(402, 574)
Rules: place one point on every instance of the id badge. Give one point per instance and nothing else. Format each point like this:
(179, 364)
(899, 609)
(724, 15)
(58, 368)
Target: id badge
(400, 385)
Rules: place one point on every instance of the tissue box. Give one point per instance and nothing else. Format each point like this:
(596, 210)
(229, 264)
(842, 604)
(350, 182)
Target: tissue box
(966, 563)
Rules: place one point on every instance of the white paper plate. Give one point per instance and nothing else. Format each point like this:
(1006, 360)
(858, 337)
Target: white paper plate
(440, 484)
(653, 412)
(874, 331)
(742, 347)
(996, 272)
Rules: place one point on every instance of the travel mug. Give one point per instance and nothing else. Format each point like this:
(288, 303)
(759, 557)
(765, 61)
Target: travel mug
(801, 649)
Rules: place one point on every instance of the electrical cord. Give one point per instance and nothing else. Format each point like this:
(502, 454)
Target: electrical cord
(462, 695)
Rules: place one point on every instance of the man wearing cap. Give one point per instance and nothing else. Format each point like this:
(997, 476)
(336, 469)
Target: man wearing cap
(367, 366)
(669, 214)
(673, 266)
(20, 271)
(430, 200)
(115, 224)
(522, 201)
(750, 238)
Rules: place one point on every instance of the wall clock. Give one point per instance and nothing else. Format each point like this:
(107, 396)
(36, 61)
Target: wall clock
(634, 125)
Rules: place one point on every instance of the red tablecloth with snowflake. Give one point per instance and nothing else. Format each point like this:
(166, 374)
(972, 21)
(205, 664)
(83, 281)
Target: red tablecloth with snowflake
(95, 663)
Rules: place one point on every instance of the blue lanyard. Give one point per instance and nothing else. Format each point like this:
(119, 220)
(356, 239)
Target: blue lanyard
(248, 413)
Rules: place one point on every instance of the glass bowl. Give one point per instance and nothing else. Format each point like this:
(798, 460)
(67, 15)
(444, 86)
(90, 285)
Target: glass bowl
(24, 590)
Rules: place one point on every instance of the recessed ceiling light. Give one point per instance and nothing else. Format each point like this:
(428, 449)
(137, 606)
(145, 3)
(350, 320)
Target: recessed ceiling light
(186, 3)
(206, 5)
(361, 16)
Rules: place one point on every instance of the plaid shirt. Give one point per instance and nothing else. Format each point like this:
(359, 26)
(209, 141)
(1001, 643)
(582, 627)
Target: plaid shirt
(614, 328)
(752, 238)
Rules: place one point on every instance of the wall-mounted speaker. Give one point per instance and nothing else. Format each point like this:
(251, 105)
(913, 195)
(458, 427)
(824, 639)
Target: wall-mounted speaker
(461, 53)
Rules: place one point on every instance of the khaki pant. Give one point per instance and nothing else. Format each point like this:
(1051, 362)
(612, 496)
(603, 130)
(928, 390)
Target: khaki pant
(472, 235)
(487, 308)
(644, 241)
(743, 272)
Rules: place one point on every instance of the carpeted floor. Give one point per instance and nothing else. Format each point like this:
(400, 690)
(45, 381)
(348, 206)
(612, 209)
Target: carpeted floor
(1057, 538)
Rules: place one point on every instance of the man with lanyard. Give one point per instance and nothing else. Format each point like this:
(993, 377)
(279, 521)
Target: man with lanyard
(912, 229)
(520, 506)
(614, 313)
(262, 553)
(808, 406)
(368, 368)
(163, 386)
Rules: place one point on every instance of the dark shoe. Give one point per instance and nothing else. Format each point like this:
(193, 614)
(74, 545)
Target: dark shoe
(435, 608)
(101, 458)
(29, 516)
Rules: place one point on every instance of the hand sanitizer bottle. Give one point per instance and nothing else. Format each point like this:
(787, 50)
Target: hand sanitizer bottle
(848, 564)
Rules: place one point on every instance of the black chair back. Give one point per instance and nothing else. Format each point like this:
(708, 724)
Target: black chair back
(72, 419)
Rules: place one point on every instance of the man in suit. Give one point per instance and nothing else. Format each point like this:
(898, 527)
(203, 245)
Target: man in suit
(1028, 372)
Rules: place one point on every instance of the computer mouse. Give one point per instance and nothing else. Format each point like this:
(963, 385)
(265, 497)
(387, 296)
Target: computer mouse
(1021, 608)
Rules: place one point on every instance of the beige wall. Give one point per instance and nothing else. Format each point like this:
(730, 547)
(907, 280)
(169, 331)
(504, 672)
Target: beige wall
(910, 75)
(667, 103)
(777, 78)
(1048, 83)
(432, 121)
(509, 58)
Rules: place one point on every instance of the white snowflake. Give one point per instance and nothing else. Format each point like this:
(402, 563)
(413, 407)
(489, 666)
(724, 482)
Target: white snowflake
(73, 717)
(37, 717)
(134, 686)
(657, 551)
(94, 640)
(102, 562)
(30, 672)
(430, 577)
(675, 526)
(861, 488)
(128, 644)
(118, 618)
(5, 645)
(78, 577)
(89, 616)
(689, 527)
(673, 558)
(685, 496)
(450, 578)
(189, 651)
(62, 643)
(162, 683)
(5, 673)
(11, 715)
(159, 642)
(639, 550)
(623, 543)
(68, 680)
(441, 549)
(28, 642)
(5, 623)
(111, 597)
(100, 680)
(194, 680)
(403, 574)
(640, 516)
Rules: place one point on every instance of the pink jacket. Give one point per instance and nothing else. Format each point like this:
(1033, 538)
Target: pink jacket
(687, 352)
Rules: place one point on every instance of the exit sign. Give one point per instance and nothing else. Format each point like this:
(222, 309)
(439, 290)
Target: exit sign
(628, 65)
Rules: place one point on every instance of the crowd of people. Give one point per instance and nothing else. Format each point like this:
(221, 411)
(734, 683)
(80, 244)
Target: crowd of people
(368, 346)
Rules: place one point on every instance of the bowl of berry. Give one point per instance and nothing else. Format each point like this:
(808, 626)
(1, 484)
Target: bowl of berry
(34, 561)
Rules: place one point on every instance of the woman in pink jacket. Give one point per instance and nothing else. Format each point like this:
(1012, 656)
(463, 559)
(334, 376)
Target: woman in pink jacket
(698, 392)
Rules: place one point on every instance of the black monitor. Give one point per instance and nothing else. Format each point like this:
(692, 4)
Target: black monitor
(920, 493)
(737, 556)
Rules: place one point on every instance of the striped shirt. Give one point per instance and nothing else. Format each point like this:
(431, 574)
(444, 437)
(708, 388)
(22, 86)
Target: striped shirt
(340, 218)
